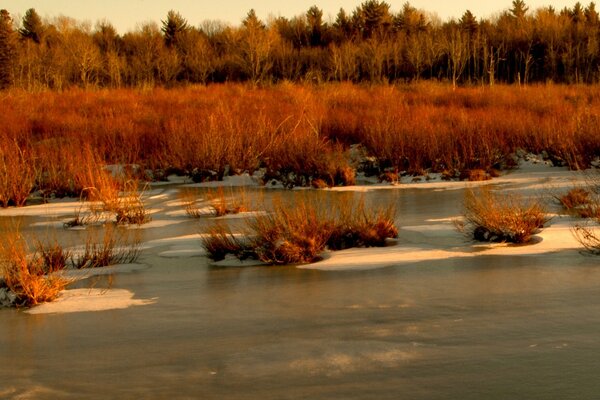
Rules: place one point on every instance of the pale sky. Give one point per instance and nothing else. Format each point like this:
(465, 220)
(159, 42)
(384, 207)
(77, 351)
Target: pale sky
(126, 14)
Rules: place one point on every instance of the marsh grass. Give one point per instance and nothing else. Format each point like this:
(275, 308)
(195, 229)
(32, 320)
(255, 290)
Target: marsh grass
(191, 203)
(112, 246)
(54, 256)
(496, 217)
(293, 233)
(220, 242)
(126, 206)
(27, 275)
(17, 174)
(129, 207)
(581, 202)
(234, 202)
(299, 230)
(222, 202)
(297, 133)
(357, 225)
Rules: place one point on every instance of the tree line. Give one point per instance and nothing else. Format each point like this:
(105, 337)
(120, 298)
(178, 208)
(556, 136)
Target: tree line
(370, 44)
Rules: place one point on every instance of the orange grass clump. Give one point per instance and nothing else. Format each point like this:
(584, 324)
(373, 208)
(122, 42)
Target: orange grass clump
(581, 202)
(25, 276)
(501, 217)
(299, 231)
(113, 247)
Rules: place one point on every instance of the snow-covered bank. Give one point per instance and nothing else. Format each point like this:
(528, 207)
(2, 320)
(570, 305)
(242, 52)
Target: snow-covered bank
(442, 241)
(86, 300)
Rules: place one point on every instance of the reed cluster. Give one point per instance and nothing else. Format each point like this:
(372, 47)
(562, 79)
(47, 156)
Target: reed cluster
(298, 232)
(498, 217)
(58, 142)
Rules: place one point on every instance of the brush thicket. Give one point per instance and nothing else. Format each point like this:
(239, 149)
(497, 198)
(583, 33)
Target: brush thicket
(498, 217)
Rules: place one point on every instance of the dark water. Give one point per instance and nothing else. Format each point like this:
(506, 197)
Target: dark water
(474, 328)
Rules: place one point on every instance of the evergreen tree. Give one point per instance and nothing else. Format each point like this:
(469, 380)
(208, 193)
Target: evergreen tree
(373, 18)
(518, 10)
(343, 25)
(33, 28)
(468, 23)
(591, 15)
(251, 22)
(314, 18)
(7, 49)
(172, 27)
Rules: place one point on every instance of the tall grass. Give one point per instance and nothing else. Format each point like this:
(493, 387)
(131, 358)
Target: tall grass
(292, 233)
(109, 247)
(588, 200)
(17, 173)
(498, 217)
(298, 231)
(220, 200)
(582, 202)
(297, 133)
(27, 276)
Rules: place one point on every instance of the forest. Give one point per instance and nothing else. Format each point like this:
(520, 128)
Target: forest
(373, 44)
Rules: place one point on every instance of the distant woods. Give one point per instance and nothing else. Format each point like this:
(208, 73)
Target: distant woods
(372, 43)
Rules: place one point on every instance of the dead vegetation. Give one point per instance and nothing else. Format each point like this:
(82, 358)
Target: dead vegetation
(581, 202)
(586, 203)
(589, 237)
(31, 269)
(26, 276)
(298, 232)
(17, 173)
(299, 134)
(497, 217)
(220, 201)
(109, 246)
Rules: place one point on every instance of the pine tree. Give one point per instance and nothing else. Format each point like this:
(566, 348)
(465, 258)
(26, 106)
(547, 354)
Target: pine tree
(591, 15)
(373, 17)
(7, 49)
(519, 9)
(314, 18)
(468, 23)
(33, 28)
(251, 22)
(174, 26)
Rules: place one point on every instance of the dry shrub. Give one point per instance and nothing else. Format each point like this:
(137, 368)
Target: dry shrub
(234, 202)
(17, 174)
(54, 256)
(298, 231)
(219, 242)
(502, 217)
(295, 232)
(116, 246)
(129, 207)
(575, 197)
(24, 275)
(581, 202)
(318, 184)
(355, 225)
(127, 204)
(474, 175)
(299, 132)
(389, 177)
(589, 237)
(190, 200)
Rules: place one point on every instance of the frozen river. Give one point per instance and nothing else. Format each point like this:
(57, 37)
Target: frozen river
(495, 326)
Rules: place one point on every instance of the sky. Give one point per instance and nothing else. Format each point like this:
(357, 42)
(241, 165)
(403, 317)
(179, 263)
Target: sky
(126, 15)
